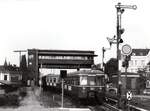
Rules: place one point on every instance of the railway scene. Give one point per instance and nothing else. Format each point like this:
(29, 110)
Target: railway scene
(54, 56)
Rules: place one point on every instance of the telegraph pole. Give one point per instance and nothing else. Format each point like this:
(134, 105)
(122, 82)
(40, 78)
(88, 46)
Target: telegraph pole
(20, 51)
(120, 9)
(103, 56)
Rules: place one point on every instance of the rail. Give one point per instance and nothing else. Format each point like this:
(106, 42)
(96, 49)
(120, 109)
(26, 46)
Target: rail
(114, 108)
(135, 108)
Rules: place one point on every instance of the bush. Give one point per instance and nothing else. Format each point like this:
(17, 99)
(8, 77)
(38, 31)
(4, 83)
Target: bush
(22, 94)
(10, 89)
(12, 100)
(3, 100)
(9, 100)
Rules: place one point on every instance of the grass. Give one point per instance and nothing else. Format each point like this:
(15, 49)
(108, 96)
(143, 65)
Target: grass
(12, 97)
(53, 100)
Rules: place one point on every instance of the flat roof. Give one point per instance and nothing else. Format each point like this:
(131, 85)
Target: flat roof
(64, 52)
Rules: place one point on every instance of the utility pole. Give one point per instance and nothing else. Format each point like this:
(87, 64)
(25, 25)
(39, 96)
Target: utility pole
(120, 9)
(20, 51)
(103, 56)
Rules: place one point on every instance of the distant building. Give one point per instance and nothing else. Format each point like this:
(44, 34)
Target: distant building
(129, 81)
(10, 73)
(139, 60)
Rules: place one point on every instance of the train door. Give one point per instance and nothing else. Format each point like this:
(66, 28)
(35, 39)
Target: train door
(100, 80)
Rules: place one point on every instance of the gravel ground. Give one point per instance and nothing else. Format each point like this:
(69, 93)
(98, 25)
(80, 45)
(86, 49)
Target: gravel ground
(53, 100)
(37, 100)
(29, 103)
(142, 102)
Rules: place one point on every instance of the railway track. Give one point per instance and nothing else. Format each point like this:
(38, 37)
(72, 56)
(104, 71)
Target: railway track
(104, 107)
(112, 105)
(108, 107)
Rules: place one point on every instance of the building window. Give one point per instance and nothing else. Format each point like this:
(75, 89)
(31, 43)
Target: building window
(15, 79)
(131, 63)
(142, 62)
(5, 77)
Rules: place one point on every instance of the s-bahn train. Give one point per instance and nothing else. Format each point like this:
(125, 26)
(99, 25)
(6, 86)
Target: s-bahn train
(83, 84)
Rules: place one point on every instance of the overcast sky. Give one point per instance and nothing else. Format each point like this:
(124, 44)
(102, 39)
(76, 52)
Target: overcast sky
(70, 25)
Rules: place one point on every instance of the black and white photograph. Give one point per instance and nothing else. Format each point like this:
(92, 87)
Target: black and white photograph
(74, 55)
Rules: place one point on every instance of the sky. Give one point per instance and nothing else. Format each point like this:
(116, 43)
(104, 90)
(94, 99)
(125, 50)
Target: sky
(69, 25)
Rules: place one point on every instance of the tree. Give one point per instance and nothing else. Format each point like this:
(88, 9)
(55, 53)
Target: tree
(5, 63)
(141, 83)
(23, 63)
(23, 68)
(111, 67)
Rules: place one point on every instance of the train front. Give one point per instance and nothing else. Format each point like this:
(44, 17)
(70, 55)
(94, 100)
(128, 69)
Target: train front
(93, 85)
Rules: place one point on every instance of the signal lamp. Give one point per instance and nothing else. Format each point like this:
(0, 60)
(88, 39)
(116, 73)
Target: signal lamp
(122, 10)
(122, 31)
(120, 41)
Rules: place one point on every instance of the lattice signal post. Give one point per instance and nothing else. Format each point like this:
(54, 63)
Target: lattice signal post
(120, 9)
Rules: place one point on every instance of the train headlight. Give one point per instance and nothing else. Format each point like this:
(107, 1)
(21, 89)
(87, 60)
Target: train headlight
(100, 89)
(83, 88)
(92, 88)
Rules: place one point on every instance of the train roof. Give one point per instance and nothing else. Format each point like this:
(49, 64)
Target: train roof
(52, 75)
(86, 72)
(78, 73)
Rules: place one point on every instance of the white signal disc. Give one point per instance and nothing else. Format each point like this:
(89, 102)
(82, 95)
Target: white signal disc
(126, 49)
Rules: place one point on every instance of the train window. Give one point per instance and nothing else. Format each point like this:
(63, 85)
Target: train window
(83, 80)
(148, 84)
(71, 81)
(78, 82)
(66, 81)
(91, 80)
(75, 81)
